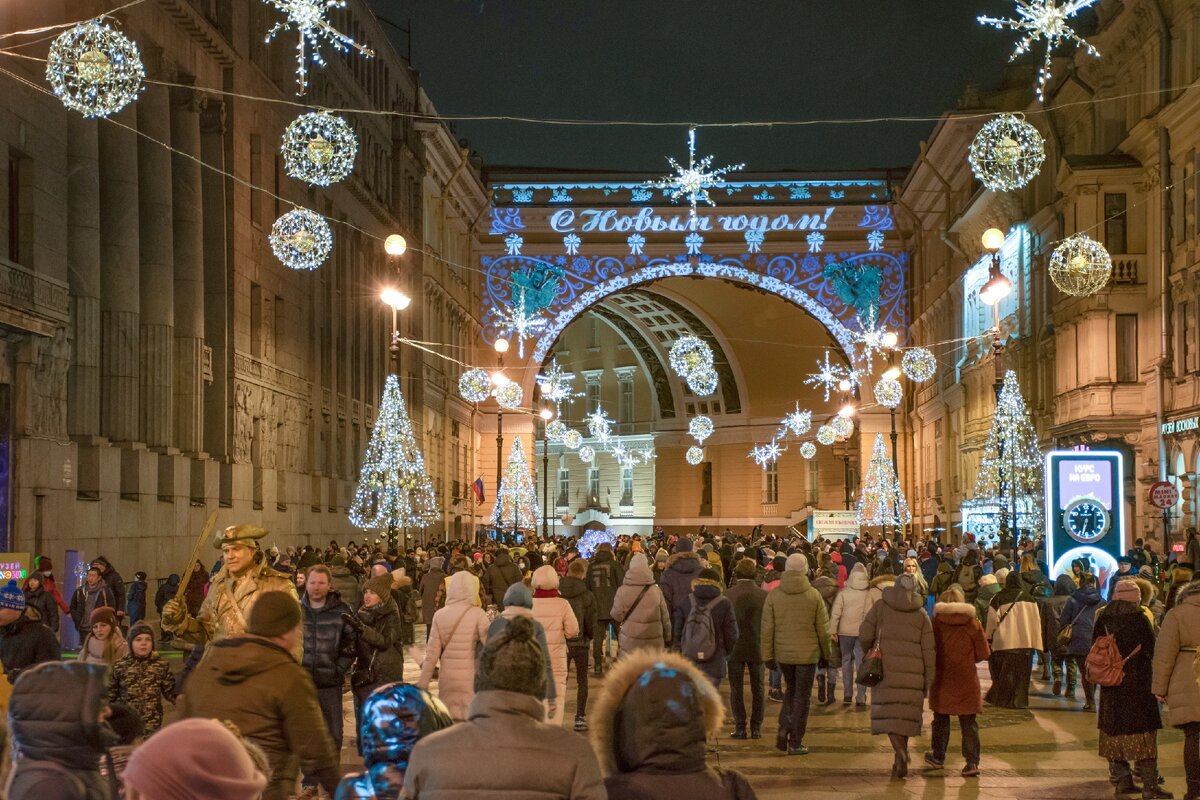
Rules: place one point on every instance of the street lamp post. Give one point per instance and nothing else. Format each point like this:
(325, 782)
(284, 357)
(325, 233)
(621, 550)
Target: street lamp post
(546, 414)
(991, 293)
(398, 301)
(501, 347)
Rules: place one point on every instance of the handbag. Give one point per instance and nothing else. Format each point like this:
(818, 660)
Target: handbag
(1063, 640)
(870, 672)
(365, 677)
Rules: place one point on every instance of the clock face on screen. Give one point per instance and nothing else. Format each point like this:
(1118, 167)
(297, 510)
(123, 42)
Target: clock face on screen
(1085, 520)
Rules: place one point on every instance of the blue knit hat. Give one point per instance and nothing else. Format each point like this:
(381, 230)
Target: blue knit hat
(11, 597)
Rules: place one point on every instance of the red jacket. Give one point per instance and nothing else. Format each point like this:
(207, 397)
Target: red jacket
(960, 643)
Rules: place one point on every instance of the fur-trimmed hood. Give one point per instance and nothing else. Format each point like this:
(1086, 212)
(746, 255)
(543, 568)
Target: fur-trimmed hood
(944, 610)
(655, 711)
(1189, 589)
(883, 581)
(1147, 589)
(685, 555)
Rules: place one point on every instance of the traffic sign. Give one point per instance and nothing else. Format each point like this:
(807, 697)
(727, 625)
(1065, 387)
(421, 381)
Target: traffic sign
(1163, 495)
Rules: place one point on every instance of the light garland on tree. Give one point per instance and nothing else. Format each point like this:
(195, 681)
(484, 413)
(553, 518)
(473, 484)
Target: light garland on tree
(319, 148)
(475, 385)
(826, 435)
(689, 353)
(1010, 468)
(592, 539)
(1007, 153)
(587, 454)
(694, 455)
(572, 439)
(882, 501)
(510, 395)
(516, 502)
(700, 428)
(1043, 19)
(1080, 266)
(702, 381)
(94, 69)
(918, 364)
(808, 450)
(556, 429)
(692, 183)
(888, 393)
(394, 490)
(307, 18)
(301, 239)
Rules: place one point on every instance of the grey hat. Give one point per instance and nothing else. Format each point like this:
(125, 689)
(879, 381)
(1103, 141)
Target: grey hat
(513, 661)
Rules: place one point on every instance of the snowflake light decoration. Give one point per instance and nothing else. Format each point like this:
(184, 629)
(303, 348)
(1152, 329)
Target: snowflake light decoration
(646, 455)
(599, 425)
(555, 384)
(301, 239)
(1080, 266)
(872, 338)
(307, 18)
(587, 454)
(475, 385)
(918, 364)
(826, 435)
(510, 395)
(797, 422)
(617, 450)
(1007, 153)
(518, 321)
(767, 453)
(808, 450)
(692, 183)
(888, 392)
(1043, 19)
(572, 439)
(700, 428)
(829, 375)
(703, 381)
(556, 429)
(319, 148)
(694, 455)
(842, 426)
(689, 353)
(94, 69)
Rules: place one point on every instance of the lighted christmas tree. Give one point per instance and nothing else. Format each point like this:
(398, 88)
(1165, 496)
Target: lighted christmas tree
(1010, 471)
(882, 502)
(394, 490)
(516, 502)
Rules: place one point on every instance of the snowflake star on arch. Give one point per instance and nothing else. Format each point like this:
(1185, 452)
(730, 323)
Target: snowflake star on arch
(872, 338)
(691, 183)
(829, 375)
(520, 321)
(307, 18)
(1043, 19)
(555, 384)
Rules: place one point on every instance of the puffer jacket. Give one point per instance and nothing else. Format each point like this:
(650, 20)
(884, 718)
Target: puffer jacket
(604, 577)
(346, 585)
(851, 604)
(649, 624)
(54, 716)
(329, 643)
(1015, 626)
(583, 603)
(795, 625)
(26, 642)
(748, 600)
(46, 606)
(1080, 613)
(518, 602)
(501, 574)
(560, 625)
(649, 727)
(682, 569)
(707, 594)
(1175, 657)
(899, 626)
(455, 632)
(395, 717)
(1052, 609)
(378, 644)
(960, 644)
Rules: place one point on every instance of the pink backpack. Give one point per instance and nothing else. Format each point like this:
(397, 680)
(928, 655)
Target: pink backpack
(1105, 666)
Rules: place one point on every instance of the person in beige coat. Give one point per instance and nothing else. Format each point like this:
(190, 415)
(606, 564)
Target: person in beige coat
(1014, 629)
(453, 636)
(559, 621)
(640, 609)
(1174, 681)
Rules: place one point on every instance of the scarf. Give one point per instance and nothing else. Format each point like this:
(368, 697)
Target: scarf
(1013, 592)
(545, 593)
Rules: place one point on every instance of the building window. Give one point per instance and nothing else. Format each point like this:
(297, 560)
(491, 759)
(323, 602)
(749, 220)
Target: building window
(593, 390)
(14, 208)
(627, 486)
(256, 179)
(256, 321)
(814, 483)
(1127, 348)
(1115, 221)
(625, 406)
(564, 483)
(771, 483)
(593, 486)
(594, 332)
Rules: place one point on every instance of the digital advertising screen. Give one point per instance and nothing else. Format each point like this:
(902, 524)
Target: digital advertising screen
(1085, 510)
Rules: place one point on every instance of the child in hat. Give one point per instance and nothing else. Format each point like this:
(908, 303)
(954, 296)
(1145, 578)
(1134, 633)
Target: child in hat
(142, 679)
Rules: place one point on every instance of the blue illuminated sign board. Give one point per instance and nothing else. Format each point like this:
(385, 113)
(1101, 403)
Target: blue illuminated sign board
(1085, 510)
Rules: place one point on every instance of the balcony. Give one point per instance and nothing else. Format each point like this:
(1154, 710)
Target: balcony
(1125, 270)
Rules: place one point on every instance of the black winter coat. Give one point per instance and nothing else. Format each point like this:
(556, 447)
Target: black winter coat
(1081, 611)
(500, 575)
(46, 605)
(379, 643)
(724, 627)
(583, 603)
(116, 584)
(682, 569)
(79, 602)
(747, 600)
(1129, 707)
(166, 591)
(135, 606)
(604, 575)
(329, 643)
(431, 584)
(26, 643)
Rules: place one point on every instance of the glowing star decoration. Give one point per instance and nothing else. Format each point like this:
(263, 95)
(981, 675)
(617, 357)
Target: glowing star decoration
(556, 429)
(797, 423)
(826, 435)
(918, 364)
(888, 393)
(518, 321)
(599, 425)
(617, 451)
(872, 338)
(700, 428)
(1043, 19)
(587, 454)
(475, 385)
(1080, 266)
(510, 395)
(808, 450)
(572, 440)
(842, 426)
(555, 384)
(767, 453)
(301, 239)
(1007, 153)
(94, 69)
(307, 18)
(689, 353)
(829, 375)
(646, 455)
(692, 183)
(694, 455)
(319, 148)
(702, 382)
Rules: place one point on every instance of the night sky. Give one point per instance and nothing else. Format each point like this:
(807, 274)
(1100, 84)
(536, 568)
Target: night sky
(699, 61)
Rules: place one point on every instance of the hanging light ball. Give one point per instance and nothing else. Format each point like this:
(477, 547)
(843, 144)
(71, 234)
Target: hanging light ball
(475, 385)
(694, 455)
(94, 69)
(1080, 266)
(700, 428)
(510, 395)
(1007, 153)
(587, 454)
(702, 381)
(572, 439)
(319, 148)
(918, 364)
(301, 239)
(826, 435)
(556, 429)
(808, 449)
(689, 353)
(888, 392)
(842, 425)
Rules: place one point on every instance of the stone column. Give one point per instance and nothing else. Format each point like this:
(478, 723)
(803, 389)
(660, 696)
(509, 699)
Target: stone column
(83, 276)
(156, 237)
(189, 272)
(119, 278)
(217, 230)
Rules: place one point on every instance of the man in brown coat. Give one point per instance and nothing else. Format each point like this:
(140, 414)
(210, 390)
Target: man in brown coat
(254, 682)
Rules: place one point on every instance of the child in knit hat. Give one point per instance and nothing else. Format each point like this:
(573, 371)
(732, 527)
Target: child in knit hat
(142, 679)
(104, 643)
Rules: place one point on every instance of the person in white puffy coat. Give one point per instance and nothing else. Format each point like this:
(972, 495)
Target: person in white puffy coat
(455, 632)
(849, 607)
(559, 620)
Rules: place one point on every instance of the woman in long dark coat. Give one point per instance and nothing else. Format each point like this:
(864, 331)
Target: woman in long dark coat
(1014, 627)
(1129, 718)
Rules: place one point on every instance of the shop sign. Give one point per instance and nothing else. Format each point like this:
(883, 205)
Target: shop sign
(835, 524)
(1163, 495)
(1182, 425)
(14, 566)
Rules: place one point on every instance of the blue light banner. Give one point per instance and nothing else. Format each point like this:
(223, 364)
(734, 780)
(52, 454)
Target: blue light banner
(1085, 510)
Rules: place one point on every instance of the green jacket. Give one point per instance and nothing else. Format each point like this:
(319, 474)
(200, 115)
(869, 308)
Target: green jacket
(795, 624)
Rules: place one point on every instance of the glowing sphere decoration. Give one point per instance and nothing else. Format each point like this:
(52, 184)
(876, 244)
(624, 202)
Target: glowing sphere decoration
(572, 439)
(688, 354)
(319, 148)
(1080, 266)
(918, 364)
(702, 381)
(587, 454)
(556, 429)
(301, 239)
(510, 395)
(700, 428)
(694, 455)
(808, 449)
(1007, 153)
(94, 69)
(826, 435)
(842, 426)
(475, 385)
(888, 392)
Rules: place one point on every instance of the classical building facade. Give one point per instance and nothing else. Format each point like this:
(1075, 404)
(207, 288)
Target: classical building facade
(159, 363)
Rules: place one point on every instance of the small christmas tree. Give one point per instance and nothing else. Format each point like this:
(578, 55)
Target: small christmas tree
(516, 502)
(882, 502)
(394, 491)
(1010, 471)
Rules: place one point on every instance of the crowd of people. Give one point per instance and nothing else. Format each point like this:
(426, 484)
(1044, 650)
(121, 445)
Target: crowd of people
(676, 625)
